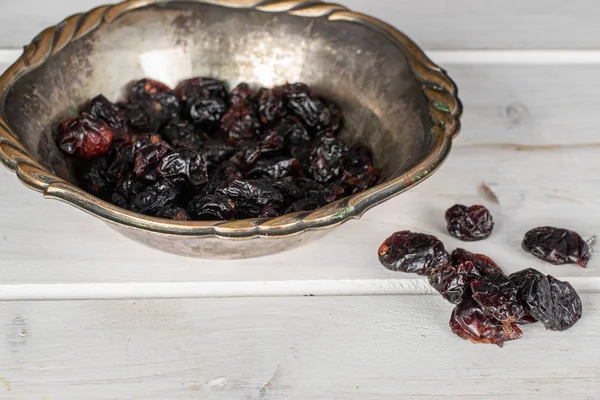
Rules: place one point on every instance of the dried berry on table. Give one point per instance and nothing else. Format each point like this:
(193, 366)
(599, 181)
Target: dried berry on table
(469, 223)
(548, 300)
(484, 264)
(497, 297)
(453, 283)
(408, 251)
(558, 246)
(86, 137)
(469, 322)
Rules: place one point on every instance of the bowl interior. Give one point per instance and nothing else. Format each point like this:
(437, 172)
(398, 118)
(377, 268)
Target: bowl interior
(358, 67)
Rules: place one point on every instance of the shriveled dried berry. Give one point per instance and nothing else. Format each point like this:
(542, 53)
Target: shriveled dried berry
(313, 112)
(86, 136)
(275, 168)
(149, 154)
(241, 93)
(102, 108)
(227, 172)
(184, 167)
(239, 123)
(182, 135)
(250, 197)
(497, 297)
(94, 178)
(154, 198)
(161, 104)
(453, 283)
(484, 264)
(173, 212)
(271, 104)
(129, 186)
(327, 158)
(469, 223)
(205, 102)
(469, 322)
(558, 246)
(212, 208)
(408, 251)
(554, 303)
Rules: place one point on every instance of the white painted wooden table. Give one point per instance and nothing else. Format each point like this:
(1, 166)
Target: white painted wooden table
(79, 322)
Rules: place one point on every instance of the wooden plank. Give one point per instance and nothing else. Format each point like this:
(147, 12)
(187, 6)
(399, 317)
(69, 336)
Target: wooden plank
(468, 24)
(288, 348)
(47, 242)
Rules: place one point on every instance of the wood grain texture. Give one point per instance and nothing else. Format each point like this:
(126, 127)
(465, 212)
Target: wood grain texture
(438, 24)
(290, 348)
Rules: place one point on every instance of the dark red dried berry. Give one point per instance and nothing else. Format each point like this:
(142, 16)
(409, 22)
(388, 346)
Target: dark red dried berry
(173, 212)
(101, 108)
(453, 283)
(154, 198)
(182, 135)
(159, 103)
(558, 246)
(184, 167)
(148, 155)
(497, 297)
(275, 168)
(212, 208)
(469, 223)
(239, 123)
(469, 322)
(554, 303)
(241, 93)
(85, 137)
(271, 104)
(313, 112)
(205, 101)
(250, 197)
(413, 252)
(327, 158)
(484, 264)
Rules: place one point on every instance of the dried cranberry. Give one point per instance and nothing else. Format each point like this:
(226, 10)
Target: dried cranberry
(86, 136)
(453, 283)
(469, 322)
(413, 252)
(250, 197)
(153, 198)
(469, 223)
(217, 152)
(246, 155)
(241, 93)
(327, 158)
(149, 154)
(275, 168)
(227, 172)
(552, 302)
(212, 207)
(205, 102)
(173, 212)
(94, 178)
(184, 167)
(129, 186)
(239, 123)
(497, 297)
(100, 107)
(268, 212)
(160, 103)
(182, 135)
(484, 264)
(558, 246)
(271, 104)
(291, 130)
(313, 112)
(359, 183)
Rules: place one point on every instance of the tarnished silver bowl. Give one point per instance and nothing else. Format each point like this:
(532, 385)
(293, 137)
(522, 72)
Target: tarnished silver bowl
(395, 100)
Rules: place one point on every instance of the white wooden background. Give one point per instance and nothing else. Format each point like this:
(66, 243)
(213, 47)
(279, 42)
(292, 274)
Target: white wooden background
(79, 322)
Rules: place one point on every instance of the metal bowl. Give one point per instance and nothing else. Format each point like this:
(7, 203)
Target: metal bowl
(395, 100)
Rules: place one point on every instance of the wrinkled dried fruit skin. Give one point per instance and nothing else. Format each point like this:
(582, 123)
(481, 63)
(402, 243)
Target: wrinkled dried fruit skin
(313, 112)
(148, 155)
(241, 93)
(181, 135)
(557, 246)
(153, 198)
(276, 168)
(327, 158)
(469, 322)
(412, 252)
(548, 300)
(101, 108)
(497, 297)
(205, 101)
(199, 152)
(86, 137)
(239, 123)
(484, 264)
(453, 283)
(212, 208)
(184, 167)
(271, 104)
(469, 223)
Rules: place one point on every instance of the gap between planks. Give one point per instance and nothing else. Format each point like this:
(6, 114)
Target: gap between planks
(460, 57)
(183, 290)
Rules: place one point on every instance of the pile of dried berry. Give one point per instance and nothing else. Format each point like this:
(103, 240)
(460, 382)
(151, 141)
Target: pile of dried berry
(201, 153)
(490, 306)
